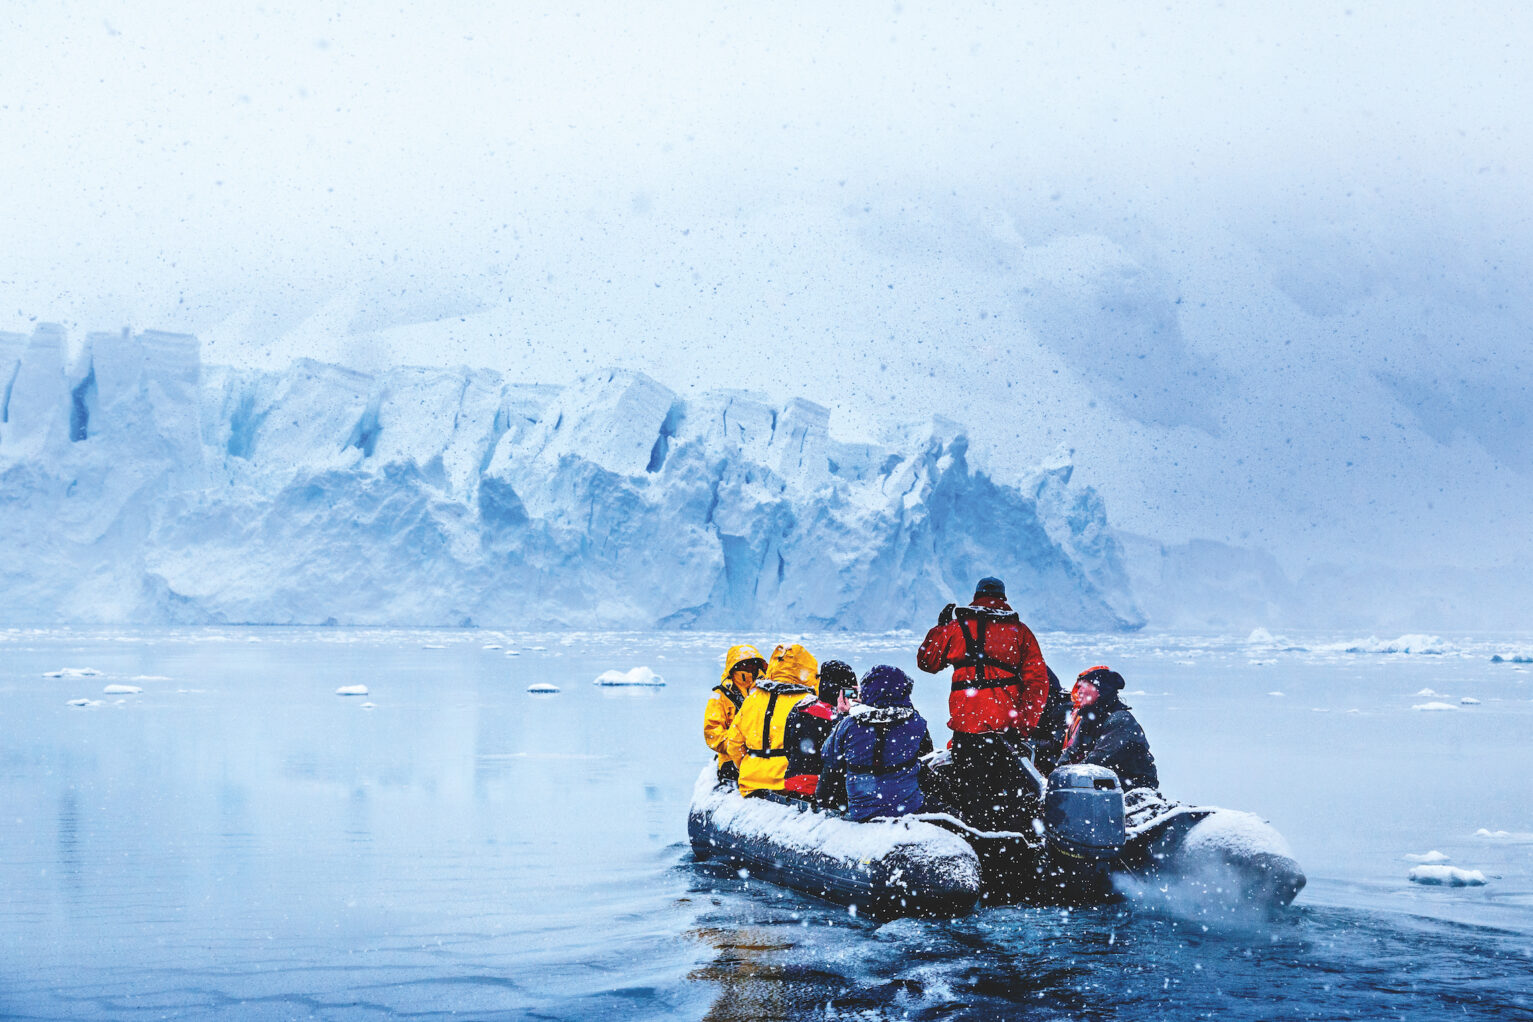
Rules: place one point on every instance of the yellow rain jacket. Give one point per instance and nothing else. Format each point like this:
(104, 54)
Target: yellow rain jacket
(755, 740)
(726, 700)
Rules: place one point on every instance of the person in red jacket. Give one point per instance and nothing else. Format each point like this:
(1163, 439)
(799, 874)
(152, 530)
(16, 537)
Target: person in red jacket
(999, 687)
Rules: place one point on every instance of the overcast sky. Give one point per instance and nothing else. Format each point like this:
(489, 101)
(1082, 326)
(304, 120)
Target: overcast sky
(1262, 266)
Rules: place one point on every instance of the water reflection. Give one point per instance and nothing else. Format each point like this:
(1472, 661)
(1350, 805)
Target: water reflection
(751, 984)
(69, 842)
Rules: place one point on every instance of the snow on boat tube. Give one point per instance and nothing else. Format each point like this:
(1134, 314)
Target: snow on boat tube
(884, 869)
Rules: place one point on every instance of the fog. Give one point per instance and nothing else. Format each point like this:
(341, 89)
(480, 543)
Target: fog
(1262, 270)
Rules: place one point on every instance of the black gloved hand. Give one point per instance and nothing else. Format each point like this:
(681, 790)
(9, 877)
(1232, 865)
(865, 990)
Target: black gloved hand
(946, 617)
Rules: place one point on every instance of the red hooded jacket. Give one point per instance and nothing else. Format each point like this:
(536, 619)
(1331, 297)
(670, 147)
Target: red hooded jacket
(999, 678)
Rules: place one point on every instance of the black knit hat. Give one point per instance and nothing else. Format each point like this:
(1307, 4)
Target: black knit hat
(1106, 680)
(836, 677)
(990, 586)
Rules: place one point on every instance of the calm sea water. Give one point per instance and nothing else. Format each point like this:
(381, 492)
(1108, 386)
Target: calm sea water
(239, 842)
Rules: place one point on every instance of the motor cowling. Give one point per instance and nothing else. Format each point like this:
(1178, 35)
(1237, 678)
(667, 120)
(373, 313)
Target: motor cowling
(1083, 812)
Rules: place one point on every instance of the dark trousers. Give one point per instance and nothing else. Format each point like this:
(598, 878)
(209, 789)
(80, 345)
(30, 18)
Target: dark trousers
(991, 790)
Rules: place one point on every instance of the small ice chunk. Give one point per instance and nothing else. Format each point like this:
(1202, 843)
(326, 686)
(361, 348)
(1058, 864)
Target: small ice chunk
(351, 690)
(1469, 701)
(1278, 694)
(1434, 707)
(542, 688)
(85, 702)
(369, 706)
(1446, 876)
(1428, 693)
(1522, 837)
(121, 690)
(73, 672)
(491, 645)
(639, 676)
(1431, 858)
(513, 652)
(432, 645)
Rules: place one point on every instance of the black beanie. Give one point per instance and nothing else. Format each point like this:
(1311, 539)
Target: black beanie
(836, 677)
(990, 586)
(1108, 681)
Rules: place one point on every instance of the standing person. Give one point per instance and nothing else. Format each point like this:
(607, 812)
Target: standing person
(872, 759)
(810, 723)
(755, 739)
(999, 688)
(1103, 731)
(742, 666)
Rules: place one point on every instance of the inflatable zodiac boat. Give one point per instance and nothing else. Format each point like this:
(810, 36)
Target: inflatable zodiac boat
(1088, 843)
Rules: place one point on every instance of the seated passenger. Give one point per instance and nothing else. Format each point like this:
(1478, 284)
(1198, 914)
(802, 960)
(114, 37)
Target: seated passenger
(755, 739)
(1103, 731)
(742, 666)
(1049, 736)
(809, 724)
(872, 758)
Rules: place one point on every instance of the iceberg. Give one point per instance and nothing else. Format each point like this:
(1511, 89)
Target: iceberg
(1446, 876)
(143, 487)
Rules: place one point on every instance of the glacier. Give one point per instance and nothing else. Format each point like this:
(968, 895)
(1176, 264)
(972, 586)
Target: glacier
(139, 485)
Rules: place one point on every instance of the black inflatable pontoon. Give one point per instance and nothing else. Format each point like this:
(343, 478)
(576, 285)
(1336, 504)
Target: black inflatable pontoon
(886, 869)
(1087, 844)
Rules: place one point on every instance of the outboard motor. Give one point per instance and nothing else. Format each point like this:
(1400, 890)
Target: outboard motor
(1083, 812)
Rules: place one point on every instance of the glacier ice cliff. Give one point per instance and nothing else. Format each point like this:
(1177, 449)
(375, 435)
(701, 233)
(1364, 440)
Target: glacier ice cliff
(138, 485)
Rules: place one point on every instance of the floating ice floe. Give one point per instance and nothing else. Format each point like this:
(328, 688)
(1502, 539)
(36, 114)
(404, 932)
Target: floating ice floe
(1515, 658)
(1446, 876)
(73, 672)
(1431, 695)
(149, 677)
(85, 702)
(369, 706)
(351, 690)
(1469, 701)
(432, 645)
(513, 652)
(542, 688)
(122, 690)
(1422, 645)
(491, 645)
(1503, 835)
(1431, 858)
(1278, 694)
(1434, 707)
(636, 678)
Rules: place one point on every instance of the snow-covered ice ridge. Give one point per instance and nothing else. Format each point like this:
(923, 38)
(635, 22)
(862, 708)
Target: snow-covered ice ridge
(140, 486)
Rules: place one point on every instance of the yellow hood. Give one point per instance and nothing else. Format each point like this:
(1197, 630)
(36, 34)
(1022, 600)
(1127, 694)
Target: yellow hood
(737, 654)
(794, 664)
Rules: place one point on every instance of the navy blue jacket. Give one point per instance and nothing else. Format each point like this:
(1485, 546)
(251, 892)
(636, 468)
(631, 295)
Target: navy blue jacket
(1108, 735)
(872, 759)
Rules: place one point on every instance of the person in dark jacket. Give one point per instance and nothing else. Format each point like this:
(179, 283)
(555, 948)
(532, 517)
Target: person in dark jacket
(810, 724)
(1000, 685)
(873, 756)
(1049, 735)
(1103, 731)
